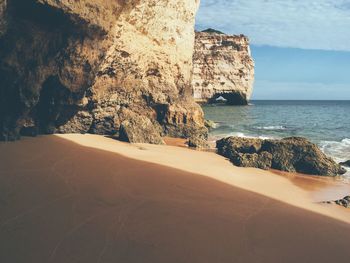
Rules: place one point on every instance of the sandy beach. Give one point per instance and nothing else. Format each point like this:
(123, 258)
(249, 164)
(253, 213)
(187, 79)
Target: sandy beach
(88, 198)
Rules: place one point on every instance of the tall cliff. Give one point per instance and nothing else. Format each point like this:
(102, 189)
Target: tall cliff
(88, 66)
(223, 67)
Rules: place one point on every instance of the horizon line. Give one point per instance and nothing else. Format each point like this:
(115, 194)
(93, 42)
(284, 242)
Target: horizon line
(301, 99)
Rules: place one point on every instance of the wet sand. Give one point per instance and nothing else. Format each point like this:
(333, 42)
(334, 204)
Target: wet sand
(86, 198)
(176, 142)
(320, 188)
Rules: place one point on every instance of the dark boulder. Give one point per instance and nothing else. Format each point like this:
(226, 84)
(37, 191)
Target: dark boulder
(262, 160)
(232, 145)
(244, 152)
(198, 138)
(292, 154)
(345, 202)
(297, 154)
(347, 163)
(198, 142)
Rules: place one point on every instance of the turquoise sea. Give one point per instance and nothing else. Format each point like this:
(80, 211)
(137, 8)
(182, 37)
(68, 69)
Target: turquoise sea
(326, 123)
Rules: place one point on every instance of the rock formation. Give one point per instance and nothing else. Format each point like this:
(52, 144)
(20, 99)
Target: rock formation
(345, 202)
(136, 129)
(78, 66)
(346, 164)
(293, 154)
(223, 68)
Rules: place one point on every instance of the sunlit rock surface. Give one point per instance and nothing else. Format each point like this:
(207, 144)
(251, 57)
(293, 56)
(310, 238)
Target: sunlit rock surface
(75, 66)
(223, 68)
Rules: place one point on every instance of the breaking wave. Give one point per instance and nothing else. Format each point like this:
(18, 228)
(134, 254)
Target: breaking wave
(338, 150)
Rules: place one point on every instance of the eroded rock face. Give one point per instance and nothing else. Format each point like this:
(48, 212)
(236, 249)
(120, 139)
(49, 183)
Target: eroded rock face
(293, 154)
(223, 68)
(139, 129)
(74, 66)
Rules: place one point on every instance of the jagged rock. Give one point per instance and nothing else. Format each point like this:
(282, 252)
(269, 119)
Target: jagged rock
(80, 123)
(292, 154)
(347, 163)
(299, 155)
(198, 143)
(223, 68)
(262, 160)
(345, 202)
(199, 140)
(232, 145)
(178, 123)
(139, 129)
(61, 58)
(245, 152)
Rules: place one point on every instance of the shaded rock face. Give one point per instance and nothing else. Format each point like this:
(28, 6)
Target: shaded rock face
(223, 68)
(198, 142)
(76, 66)
(290, 154)
(138, 129)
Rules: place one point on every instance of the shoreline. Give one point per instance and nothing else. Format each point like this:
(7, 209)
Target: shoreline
(277, 119)
(345, 178)
(90, 198)
(320, 188)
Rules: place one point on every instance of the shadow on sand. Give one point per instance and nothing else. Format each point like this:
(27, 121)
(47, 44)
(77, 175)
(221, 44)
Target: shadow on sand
(62, 202)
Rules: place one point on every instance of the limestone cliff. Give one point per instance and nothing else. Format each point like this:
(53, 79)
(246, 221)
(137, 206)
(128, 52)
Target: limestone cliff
(223, 67)
(87, 66)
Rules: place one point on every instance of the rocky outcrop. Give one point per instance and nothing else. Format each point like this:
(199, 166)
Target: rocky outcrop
(292, 154)
(346, 164)
(198, 142)
(77, 66)
(139, 129)
(245, 152)
(223, 68)
(345, 202)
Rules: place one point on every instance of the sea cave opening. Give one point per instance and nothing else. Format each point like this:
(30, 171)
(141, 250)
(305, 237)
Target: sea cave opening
(232, 98)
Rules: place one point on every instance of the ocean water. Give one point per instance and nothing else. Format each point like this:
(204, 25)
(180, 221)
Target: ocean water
(326, 123)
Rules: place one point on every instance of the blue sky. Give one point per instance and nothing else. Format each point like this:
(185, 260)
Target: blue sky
(301, 47)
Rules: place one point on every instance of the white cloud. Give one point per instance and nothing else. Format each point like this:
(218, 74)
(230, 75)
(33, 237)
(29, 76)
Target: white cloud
(308, 24)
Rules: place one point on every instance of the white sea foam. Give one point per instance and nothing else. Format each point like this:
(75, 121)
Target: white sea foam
(339, 151)
(239, 134)
(243, 135)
